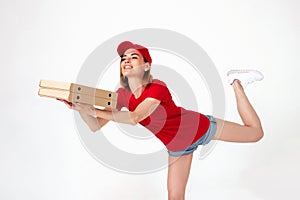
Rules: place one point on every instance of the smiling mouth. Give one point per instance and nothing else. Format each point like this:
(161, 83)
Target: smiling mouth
(127, 67)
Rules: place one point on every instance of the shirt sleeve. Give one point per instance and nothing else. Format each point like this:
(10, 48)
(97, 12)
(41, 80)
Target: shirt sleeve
(159, 91)
(122, 100)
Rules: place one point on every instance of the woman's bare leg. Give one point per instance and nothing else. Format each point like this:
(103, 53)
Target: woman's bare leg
(178, 173)
(251, 131)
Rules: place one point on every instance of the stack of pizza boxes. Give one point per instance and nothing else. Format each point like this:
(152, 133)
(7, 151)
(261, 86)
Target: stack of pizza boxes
(78, 93)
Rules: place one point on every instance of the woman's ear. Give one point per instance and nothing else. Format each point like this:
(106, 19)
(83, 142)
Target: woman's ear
(147, 67)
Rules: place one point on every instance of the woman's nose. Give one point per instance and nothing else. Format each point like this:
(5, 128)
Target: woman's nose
(127, 60)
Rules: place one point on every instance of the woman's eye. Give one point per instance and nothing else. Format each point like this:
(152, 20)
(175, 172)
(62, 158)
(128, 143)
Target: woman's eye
(122, 59)
(133, 57)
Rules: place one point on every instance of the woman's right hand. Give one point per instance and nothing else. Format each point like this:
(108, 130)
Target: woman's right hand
(80, 107)
(69, 104)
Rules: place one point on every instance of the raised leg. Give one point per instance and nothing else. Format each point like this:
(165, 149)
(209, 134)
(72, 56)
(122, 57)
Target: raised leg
(178, 173)
(251, 131)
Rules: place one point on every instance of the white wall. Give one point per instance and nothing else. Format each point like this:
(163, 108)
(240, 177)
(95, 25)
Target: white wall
(40, 152)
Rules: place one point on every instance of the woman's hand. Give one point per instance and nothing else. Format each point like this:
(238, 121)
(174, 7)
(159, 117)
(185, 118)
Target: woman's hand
(85, 108)
(80, 107)
(69, 104)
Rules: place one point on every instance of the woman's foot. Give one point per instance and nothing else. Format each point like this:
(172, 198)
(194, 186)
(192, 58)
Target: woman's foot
(244, 76)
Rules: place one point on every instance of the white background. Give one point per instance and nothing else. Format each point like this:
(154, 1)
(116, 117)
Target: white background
(41, 154)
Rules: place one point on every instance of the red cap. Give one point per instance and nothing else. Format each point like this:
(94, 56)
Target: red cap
(123, 46)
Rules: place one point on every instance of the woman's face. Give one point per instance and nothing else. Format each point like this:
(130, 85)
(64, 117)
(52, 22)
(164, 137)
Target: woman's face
(133, 64)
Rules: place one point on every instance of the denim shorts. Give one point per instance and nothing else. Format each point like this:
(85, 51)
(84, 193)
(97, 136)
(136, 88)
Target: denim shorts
(205, 139)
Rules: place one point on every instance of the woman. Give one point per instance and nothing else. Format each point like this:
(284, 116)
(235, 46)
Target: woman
(150, 103)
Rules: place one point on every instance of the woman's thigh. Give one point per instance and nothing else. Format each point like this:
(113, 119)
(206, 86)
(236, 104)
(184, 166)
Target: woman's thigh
(178, 173)
(233, 132)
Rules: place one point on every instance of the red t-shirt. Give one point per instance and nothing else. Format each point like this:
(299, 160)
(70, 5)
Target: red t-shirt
(175, 126)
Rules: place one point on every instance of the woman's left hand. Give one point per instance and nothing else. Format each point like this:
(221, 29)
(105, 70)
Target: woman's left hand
(86, 108)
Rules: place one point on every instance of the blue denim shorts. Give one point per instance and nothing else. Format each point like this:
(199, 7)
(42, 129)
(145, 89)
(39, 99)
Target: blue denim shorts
(205, 139)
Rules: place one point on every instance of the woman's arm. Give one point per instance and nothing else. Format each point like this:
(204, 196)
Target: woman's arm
(101, 121)
(143, 110)
(94, 123)
(91, 121)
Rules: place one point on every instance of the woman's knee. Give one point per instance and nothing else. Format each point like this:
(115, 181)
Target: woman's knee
(176, 192)
(259, 134)
(175, 195)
